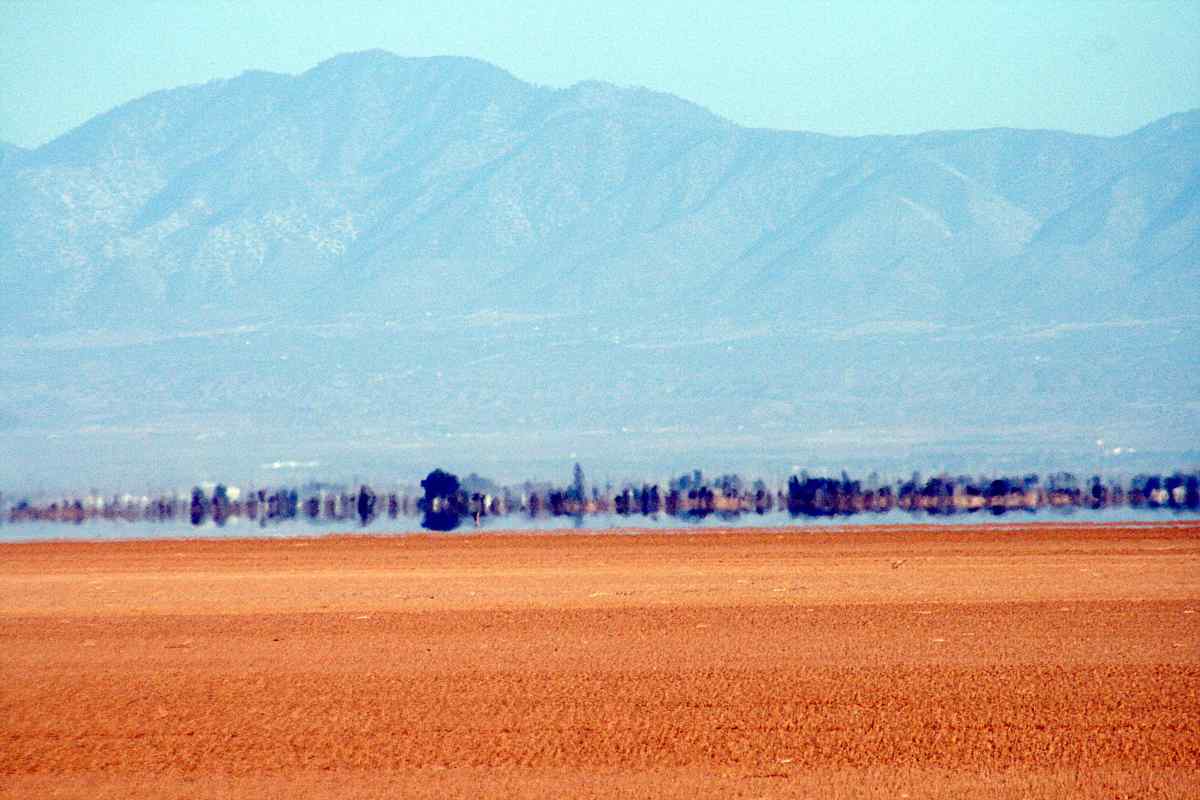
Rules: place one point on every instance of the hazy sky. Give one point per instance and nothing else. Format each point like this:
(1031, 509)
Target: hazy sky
(845, 67)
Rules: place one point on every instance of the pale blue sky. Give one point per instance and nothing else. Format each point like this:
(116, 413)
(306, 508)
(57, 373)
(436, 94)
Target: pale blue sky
(844, 68)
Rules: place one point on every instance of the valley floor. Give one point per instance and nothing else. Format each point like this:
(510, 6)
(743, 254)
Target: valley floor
(1045, 660)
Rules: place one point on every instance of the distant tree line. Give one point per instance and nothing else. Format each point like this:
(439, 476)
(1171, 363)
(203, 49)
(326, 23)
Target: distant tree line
(445, 502)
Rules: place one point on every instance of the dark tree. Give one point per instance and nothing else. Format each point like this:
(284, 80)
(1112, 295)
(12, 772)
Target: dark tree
(365, 505)
(623, 502)
(312, 507)
(996, 493)
(577, 491)
(220, 504)
(671, 503)
(939, 495)
(282, 504)
(439, 485)
(441, 506)
(651, 499)
(199, 506)
(796, 498)
(703, 502)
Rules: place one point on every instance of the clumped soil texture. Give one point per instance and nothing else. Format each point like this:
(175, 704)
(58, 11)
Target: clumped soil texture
(1014, 661)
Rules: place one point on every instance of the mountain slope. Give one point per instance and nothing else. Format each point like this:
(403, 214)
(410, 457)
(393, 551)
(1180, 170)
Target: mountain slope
(9, 153)
(405, 180)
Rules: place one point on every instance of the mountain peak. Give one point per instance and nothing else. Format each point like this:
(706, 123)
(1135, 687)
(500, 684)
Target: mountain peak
(361, 61)
(1182, 120)
(1173, 130)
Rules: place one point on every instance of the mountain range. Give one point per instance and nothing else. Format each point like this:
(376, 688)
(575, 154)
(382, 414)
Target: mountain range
(272, 253)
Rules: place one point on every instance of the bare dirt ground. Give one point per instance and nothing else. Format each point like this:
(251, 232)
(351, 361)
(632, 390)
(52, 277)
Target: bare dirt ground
(1020, 661)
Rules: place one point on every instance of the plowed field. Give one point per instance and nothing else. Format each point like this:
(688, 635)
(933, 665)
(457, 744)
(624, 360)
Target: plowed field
(1023, 661)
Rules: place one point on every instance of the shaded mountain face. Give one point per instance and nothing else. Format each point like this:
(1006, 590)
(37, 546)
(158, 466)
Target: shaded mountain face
(565, 267)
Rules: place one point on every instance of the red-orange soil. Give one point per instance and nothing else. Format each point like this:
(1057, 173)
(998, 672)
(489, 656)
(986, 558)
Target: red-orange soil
(1024, 661)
